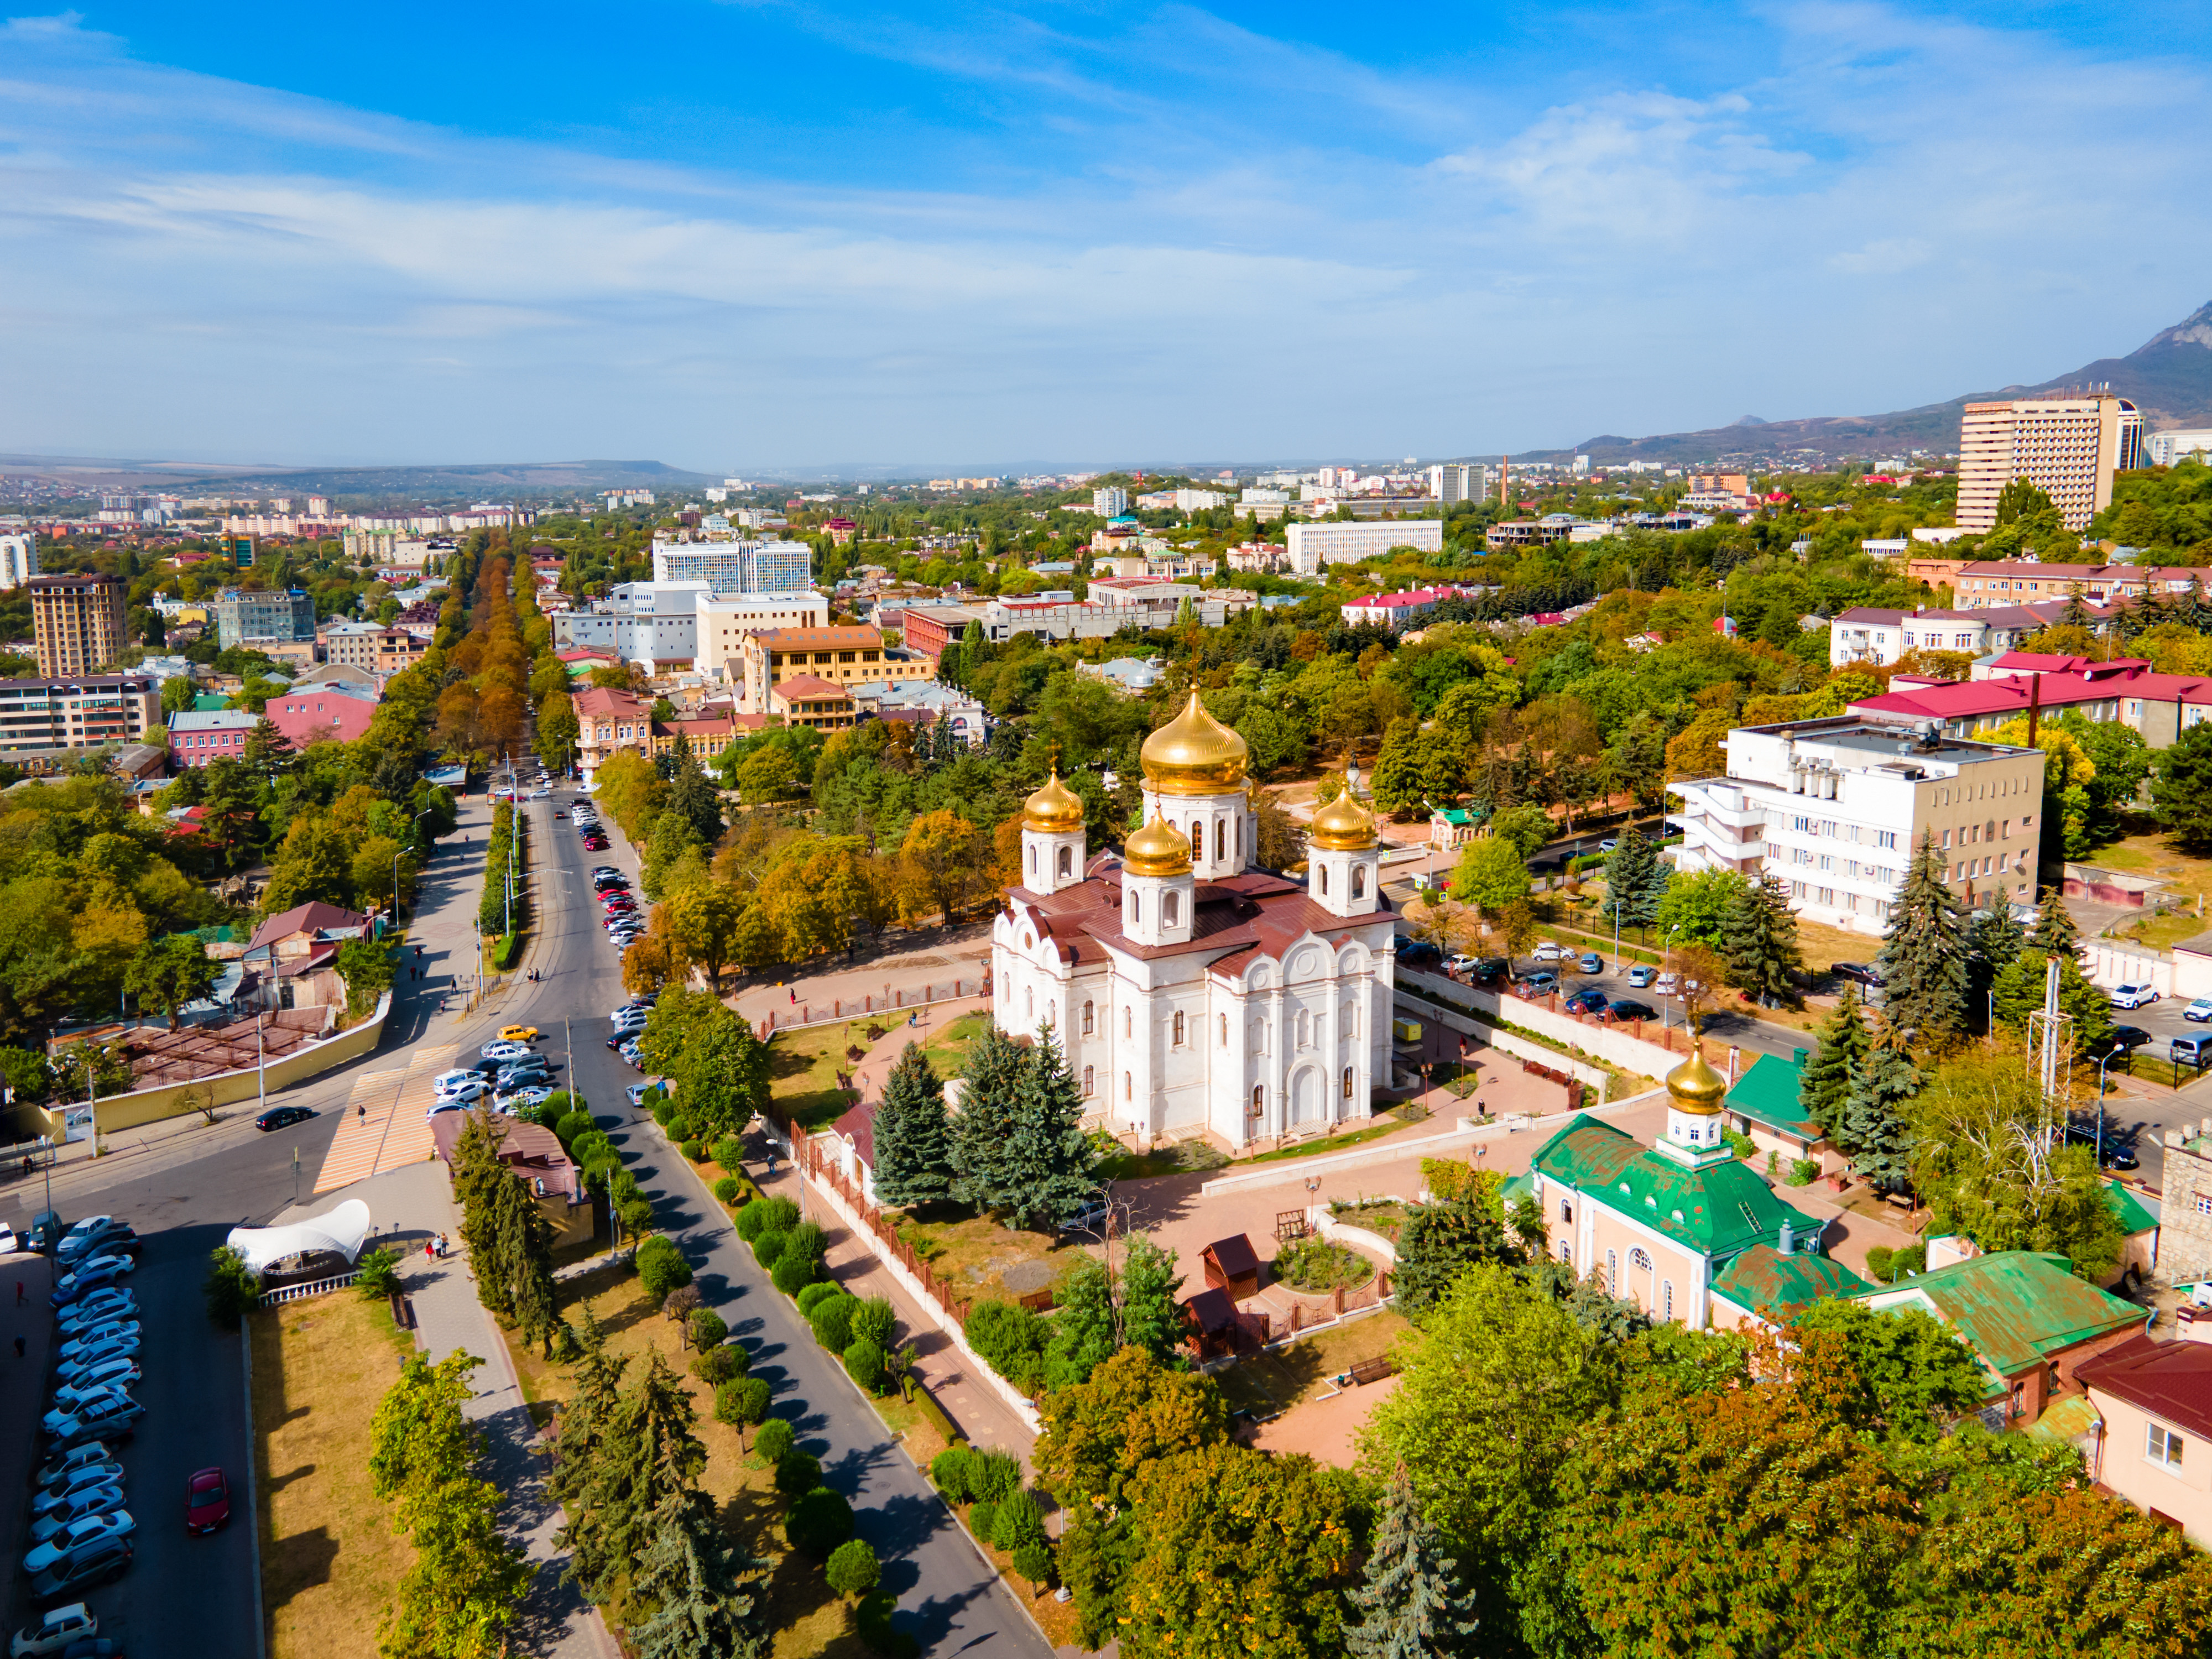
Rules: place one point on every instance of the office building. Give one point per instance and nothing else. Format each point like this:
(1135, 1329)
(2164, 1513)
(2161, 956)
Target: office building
(19, 558)
(78, 714)
(1836, 808)
(248, 616)
(1311, 546)
(382, 651)
(1869, 634)
(1979, 583)
(2168, 448)
(1109, 501)
(2068, 448)
(721, 621)
(197, 737)
(736, 567)
(1455, 481)
(840, 656)
(77, 621)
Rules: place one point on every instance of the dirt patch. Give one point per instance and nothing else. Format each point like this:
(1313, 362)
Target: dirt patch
(1268, 1384)
(977, 1253)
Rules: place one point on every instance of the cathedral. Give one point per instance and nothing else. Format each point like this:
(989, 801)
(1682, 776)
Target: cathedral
(1191, 989)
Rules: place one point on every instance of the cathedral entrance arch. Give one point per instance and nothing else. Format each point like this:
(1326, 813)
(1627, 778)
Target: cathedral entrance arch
(1306, 1097)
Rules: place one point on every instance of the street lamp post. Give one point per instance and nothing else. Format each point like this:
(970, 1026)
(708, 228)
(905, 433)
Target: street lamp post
(2102, 1064)
(396, 857)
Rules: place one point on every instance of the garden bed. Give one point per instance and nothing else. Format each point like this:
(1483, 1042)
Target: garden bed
(1385, 1217)
(1318, 1266)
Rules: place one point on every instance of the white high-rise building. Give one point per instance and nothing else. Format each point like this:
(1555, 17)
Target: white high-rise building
(2068, 448)
(1109, 501)
(2166, 448)
(19, 558)
(737, 567)
(1457, 481)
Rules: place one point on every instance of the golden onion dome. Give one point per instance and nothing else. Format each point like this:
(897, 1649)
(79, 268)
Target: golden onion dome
(1157, 849)
(1343, 826)
(1054, 809)
(1195, 754)
(1695, 1086)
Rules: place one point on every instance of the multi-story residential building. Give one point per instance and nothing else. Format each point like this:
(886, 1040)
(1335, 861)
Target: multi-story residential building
(721, 621)
(1394, 610)
(1980, 582)
(1530, 532)
(19, 558)
(382, 651)
(1109, 501)
(1869, 633)
(1835, 808)
(247, 615)
(330, 713)
(1309, 546)
(609, 723)
(1199, 500)
(78, 714)
(736, 567)
(1114, 604)
(197, 737)
(2152, 1442)
(2168, 448)
(840, 656)
(2068, 448)
(808, 699)
(2003, 689)
(77, 621)
(1456, 481)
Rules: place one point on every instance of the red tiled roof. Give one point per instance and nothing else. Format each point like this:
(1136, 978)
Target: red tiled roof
(859, 1126)
(1975, 699)
(605, 700)
(312, 917)
(1256, 912)
(807, 685)
(2171, 1381)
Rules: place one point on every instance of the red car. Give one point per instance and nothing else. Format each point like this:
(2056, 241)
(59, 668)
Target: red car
(207, 1501)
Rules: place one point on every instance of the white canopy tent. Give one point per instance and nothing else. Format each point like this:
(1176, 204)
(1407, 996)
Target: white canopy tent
(342, 1230)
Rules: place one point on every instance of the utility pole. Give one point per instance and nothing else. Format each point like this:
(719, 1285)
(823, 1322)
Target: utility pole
(260, 1068)
(2047, 1029)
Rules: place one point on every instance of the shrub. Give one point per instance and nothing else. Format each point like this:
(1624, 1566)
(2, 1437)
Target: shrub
(995, 1476)
(797, 1472)
(662, 1268)
(1802, 1170)
(715, 1366)
(695, 1150)
(979, 1521)
(636, 1213)
(874, 1321)
(680, 1303)
(663, 1112)
(809, 1239)
(768, 1247)
(378, 1273)
(234, 1290)
(877, 1631)
(950, 1470)
(1011, 1339)
(832, 1320)
(569, 1127)
(1034, 1562)
(567, 1345)
(742, 1401)
(1912, 1259)
(815, 1295)
(729, 1151)
(621, 1186)
(706, 1329)
(864, 1363)
(678, 1126)
(1015, 1523)
(773, 1441)
(819, 1522)
(751, 1220)
(590, 1144)
(795, 1271)
(783, 1213)
(853, 1569)
(1880, 1260)
(726, 1191)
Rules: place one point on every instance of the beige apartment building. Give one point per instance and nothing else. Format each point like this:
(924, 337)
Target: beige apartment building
(840, 656)
(78, 623)
(2068, 448)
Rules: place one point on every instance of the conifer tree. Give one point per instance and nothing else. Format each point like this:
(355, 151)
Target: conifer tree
(1827, 1079)
(1994, 940)
(477, 1174)
(1048, 1159)
(914, 1150)
(1873, 1130)
(705, 1597)
(648, 1452)
(1635, 882)
(1762, 942)
(590, 1414)
(983, 1126)
(1414, 1605)
(1923, 955)
(2054, 932)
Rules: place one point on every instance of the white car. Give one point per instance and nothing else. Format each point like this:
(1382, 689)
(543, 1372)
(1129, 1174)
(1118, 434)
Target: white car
(2199, 1010)
(115, 1301)
(114, 1336)
(54, 1631)
(93, 1500)
(115, 1369)
(59, 1467)
(103, 1472)
(503, 1049)
(1667, 984)
(637, 1092)
(1550, 950)
(535, 1095)
(2134, 996)
(461, 1094)
(445, 1080)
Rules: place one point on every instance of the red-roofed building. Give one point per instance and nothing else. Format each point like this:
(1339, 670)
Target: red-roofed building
(2153, 1434)
(808, 699)
(1394, 610)
(294, 955)
(321, 713)
(608, 723)
(2158, 706)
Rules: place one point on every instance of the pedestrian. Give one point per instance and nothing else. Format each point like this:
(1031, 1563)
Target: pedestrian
(363, 1109)
(794, 996)
(430, 1248)
(19, 1347)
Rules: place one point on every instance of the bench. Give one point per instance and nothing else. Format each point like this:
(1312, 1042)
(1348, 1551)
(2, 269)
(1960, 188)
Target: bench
(1373, 1370)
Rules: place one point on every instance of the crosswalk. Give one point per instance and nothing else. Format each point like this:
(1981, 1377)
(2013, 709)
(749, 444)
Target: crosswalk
(386, 1122)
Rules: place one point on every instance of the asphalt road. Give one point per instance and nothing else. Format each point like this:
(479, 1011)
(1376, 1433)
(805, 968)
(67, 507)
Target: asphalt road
(947, 1598)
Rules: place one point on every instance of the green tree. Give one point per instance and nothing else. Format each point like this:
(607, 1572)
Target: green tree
(1840, 1047)
(315, 861)
(1910, 1374)
(2019, 990)
(1695, 908)
(1441, 1240)
(982, 1129)
(2181, 790)
(1528, 826)
(1762, 950)
(1490, 874)
(1922, 960)
(1994, 939)
(914, 1142)
(707, 1599)
(648, 1452)
(1135, 1408)
(365, 965)
(1102, 1314)
(1635, 882)
(179, 695)
(1047, 1170)
(1413, 1604)
(418, 1439)
(1873, 1130)
(692, 797)
(169, 973)
(2055, 932)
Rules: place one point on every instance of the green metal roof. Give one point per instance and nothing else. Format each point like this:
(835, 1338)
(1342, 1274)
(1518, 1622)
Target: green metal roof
(2017, 1307)
(1456, 816)
(1780, 1287)
(2132, 1210)
(1768, 1094)
(1719, 1210)
(2069, 1419)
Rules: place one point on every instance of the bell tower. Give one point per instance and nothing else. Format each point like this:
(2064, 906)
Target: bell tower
(1053, 838)
(1157, 886)
(1344, 860)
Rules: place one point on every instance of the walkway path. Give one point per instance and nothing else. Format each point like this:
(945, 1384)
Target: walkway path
(385, 1125)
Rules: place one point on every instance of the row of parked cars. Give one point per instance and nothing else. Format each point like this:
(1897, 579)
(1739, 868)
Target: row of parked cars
(508, 1072)
(586, 818)
(628, 1022)
(1543, 979)
(617, 908)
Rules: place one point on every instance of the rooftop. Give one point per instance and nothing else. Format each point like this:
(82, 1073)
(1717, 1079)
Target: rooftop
(1768, 1093)
(2171, 1381)
(2017, 1307)
(1718, 1210)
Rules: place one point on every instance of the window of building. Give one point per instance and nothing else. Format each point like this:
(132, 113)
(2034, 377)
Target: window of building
(1612, 1272)
(1324, 880)
(1128, 1086)
(1567, 1253)
(1220, 840)
(1359, 881)
(1566, 1210)
(1667, 1299)
(1259, 1100)
(1171, 909)
(1347, 1083)
(1086, 1081)
(1640, 1258)
(1178, 1028)
(2204, 1203)
(1087, 1008)
(1136, 909)
(1305, 1029)
(1033, 860)
(1066, 860)
(1128, 1023)
(1225, 1030)
(1028, 1005)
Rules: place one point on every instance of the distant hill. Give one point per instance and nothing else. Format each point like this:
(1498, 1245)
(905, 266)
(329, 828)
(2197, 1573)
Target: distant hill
(513, 478)
(2169, 377)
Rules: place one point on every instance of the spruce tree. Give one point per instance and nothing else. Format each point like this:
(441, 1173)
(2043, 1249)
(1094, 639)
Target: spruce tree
(1635, 882)
(478, 1176)
(983, 1126)
(589, 1415)
(2054, 932)
(914, 1150)
(1994, 940)
(705, 1596)
(1873, 1131)
(1413, 1601)
(646, 1453)
(1762, 942)
(1048, 1167)
(1923, 955)
(1825, 1082)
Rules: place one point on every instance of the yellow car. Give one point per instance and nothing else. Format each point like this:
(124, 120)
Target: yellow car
(518, 1034)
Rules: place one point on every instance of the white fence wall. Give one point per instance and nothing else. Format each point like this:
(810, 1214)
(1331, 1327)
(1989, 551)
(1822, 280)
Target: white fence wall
(2109, 962)
(1617, 1045)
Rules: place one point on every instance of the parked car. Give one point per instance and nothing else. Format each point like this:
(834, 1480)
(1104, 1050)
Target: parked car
(86, 1233)
(1462, 962)
(1642, 974)
(86, 1529)
(1588, 1001)
(102, 1342)
(1551, 950)
(283, 1117)
(120, 1369)
(2135, 996)
(1539, 984)
(85, 1501)
(519, 1033)
(114, 1302)
(1667, 984)
(2199, 1010)
(95, 1563)
(59, 1466)
(501, 1049)
(2119, 1158)
(637, 1092)
(535, 1094)
(1490, 968)
(1628, 1009)
(96, 1275)
(1859, 973)
(94, 1476)
(1591, 963)
(457, 1079)
(52, 1631)
(2191, 1051)
(1419, 953)
(207, 1501)
(79, 1399)
(1608, 844)
(459, 1097)
(2129, 1037)
(1088, 1219)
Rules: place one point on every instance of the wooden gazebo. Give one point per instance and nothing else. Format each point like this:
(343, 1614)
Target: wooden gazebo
(1232, 1265)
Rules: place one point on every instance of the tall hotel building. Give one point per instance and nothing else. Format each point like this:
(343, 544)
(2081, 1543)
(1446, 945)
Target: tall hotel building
(2068, 447)
(78, 623)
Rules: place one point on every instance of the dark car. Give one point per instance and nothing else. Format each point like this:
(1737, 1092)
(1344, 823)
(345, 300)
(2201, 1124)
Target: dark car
(1859, 973)
(1588, 1001)
(2129, 1037)
(1420, 953)
(282, 1117)
(1489, 968)
(207, 1501)
(101, 1560)
(2119, 1158)
(1627, 1008)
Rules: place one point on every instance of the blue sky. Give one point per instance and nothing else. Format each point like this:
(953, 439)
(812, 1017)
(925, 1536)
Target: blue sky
(757, 236)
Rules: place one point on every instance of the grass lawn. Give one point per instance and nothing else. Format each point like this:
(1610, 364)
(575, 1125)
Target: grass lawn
(330, 1560)
(1267, 1384)
(802, 1067)
(1178, 1157)
(808, 1619)
(974, 1251)
(2188, 881)
(1387, 1123)
(1385, 1218)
